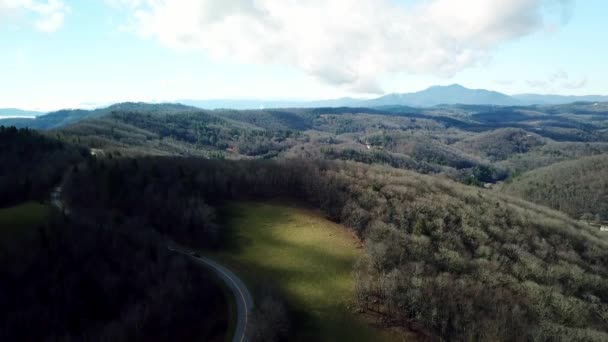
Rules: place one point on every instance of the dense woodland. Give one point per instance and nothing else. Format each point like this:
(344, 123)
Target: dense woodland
(84, 281)
(474, 145)
(77, 279)
(443, 256)
(452, 261)
(578, 187)
(32, 164)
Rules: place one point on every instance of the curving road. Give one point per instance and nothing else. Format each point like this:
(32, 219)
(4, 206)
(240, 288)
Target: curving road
(244, 301)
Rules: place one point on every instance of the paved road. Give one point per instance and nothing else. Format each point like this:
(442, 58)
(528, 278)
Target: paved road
(244, 301)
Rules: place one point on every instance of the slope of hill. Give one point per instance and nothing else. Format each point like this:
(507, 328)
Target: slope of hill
(551, 153)
(68, 116)
(272, 244)
(457, 262)
(577, 187)
(178, 130)
(500, 144)
(473, 143)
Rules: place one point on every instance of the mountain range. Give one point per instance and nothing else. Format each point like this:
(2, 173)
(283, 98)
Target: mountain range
(434, 96)
(6, 113)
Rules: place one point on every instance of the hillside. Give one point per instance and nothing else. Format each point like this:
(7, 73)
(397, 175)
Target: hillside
(471, 143)
(501, 144)
(577, 187)
(308, 258)
(456, 261)
(447, 260)
(69, 116)
(188, 133)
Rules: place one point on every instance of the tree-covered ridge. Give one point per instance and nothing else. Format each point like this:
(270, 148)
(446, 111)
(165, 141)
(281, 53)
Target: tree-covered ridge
(577, 187)
(187, 133)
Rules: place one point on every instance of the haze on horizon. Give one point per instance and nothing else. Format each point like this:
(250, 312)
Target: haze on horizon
(58, 53)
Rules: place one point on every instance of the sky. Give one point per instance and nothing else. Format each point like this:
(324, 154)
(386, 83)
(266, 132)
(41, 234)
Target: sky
(78, 54)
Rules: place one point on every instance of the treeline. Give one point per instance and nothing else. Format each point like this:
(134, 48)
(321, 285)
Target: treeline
(79, 280)
(32, 164)
(187, 133)
(456, 262)
(175, 197)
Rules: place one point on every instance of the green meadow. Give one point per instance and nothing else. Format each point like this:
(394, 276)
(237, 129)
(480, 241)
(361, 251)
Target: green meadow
(307, 258)
(15, 220)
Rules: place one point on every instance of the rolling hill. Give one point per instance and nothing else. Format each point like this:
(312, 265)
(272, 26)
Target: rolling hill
(577, 187)
(68, 116)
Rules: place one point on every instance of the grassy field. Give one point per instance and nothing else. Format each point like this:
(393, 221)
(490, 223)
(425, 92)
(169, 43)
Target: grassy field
(14, 220)
(306, 257)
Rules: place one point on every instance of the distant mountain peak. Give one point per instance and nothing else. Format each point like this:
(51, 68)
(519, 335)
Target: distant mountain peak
(450, 86)
(445, 94)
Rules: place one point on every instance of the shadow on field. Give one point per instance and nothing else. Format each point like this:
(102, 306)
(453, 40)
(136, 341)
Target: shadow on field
(311, 269)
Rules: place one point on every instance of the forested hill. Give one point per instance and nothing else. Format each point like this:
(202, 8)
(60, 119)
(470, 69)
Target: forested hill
(578, 187)
(476, 144)
(68, 116)
(457, 262)
(453, 261)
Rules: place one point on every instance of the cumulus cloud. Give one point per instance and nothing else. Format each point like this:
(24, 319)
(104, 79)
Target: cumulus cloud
(350, 43)
(45, 16)
(559, 80)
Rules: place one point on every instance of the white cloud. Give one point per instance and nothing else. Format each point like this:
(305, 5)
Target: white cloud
(351, 43)
(45, 16)
(559, 80)
(576, 84)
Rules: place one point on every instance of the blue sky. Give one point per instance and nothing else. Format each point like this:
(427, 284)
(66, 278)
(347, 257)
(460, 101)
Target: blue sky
(56, 54)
